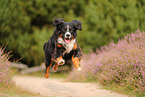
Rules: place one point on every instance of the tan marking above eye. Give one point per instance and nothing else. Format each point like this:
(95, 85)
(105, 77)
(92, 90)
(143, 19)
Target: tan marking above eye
(64, 29)
(71, 29)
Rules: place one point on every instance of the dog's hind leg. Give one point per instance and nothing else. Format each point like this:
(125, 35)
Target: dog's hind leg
(47, 71)
(48, 61)
(48, 64)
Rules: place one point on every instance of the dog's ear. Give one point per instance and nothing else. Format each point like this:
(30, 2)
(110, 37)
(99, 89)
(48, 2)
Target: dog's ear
(57, 22)
(77, 24)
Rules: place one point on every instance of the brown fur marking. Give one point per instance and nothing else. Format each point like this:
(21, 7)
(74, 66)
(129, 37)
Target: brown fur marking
(55, 67)
(75, 46)
(59, 45)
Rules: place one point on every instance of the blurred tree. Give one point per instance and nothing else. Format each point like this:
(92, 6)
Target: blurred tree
(112, 20)
(26, 24)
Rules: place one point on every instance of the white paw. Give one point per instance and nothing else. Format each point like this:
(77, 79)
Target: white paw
(61, 62)
(79, 69)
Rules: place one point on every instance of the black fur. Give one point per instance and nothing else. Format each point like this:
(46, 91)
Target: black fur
(50, 47)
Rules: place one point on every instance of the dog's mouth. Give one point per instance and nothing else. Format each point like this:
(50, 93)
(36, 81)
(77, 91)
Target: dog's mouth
(67, 40)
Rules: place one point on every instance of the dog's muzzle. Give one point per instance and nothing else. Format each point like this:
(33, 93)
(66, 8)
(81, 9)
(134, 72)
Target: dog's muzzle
(67, 37)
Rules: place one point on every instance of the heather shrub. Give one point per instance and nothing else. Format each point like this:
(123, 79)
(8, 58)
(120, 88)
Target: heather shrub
(5, 69)
(122, 64)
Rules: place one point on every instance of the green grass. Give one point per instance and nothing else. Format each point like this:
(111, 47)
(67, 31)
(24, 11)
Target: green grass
(13, 91)
(62, 75)
(86, 81)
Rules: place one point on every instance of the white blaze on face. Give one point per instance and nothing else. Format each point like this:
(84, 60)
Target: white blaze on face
(67, 35)
(67, 28)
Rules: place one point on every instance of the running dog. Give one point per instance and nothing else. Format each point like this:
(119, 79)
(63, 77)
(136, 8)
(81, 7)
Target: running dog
(62, 45)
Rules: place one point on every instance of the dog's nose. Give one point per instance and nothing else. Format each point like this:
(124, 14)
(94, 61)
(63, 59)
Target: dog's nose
(67, 35)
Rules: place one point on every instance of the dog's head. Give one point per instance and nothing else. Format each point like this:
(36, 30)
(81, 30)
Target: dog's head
(67, 30)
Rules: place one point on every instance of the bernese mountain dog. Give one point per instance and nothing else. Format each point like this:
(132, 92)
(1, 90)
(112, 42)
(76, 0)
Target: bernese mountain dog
(62, 45)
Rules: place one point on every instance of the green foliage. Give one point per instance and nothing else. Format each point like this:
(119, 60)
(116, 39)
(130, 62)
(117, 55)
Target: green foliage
(109, 19)
(26, 24)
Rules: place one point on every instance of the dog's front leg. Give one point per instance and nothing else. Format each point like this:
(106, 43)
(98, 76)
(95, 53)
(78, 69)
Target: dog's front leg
(57, 58)
(76, 62)
(77, 57)
(58, 61)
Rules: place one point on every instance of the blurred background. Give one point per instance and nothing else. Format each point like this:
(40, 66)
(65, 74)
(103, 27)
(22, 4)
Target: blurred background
(25, 25)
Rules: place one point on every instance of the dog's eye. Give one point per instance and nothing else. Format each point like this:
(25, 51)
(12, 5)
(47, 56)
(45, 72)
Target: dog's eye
(64, 29)
(71, 29)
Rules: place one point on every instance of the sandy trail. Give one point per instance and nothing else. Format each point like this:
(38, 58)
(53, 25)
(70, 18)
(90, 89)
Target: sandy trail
(59, 88)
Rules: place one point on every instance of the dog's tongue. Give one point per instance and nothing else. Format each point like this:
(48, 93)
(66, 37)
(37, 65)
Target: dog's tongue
(67, 40)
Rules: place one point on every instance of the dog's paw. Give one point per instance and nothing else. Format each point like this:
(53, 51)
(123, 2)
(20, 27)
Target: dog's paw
(79, 69)
(61, 62)
(47, 75)
(76, 63)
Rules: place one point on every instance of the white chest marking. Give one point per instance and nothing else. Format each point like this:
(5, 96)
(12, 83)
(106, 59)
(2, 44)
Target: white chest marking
(68, 46)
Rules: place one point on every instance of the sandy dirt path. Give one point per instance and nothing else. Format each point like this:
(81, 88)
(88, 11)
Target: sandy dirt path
(60, 88)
